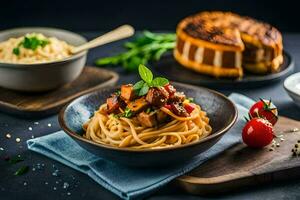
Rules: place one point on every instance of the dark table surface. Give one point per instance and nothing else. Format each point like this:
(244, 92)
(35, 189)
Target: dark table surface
(40, 183)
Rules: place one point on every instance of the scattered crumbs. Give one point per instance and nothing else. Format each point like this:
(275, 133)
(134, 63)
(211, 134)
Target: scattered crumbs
(46, 183)
(54, 188)
(18, 140)
(33, 169)
(69, 193)
(296, 149)
(36, 123)
(295, 129)
(66, 185)
(277, 145)
(30, 128)
(43, 165)
(1, 149)
(56, 182)
(49, 125)
(281, 139)
(55, 173)
(8, 136)
(25, 183)
(32, 136)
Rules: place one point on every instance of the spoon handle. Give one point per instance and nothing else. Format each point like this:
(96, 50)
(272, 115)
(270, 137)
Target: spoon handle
(114, 35)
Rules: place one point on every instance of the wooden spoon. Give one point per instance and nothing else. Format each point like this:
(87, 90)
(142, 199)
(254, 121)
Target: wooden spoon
(119, 33)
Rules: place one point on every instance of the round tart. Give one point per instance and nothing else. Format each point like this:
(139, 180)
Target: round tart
(223, 44)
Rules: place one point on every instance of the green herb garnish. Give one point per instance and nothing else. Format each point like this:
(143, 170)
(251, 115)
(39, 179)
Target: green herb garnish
(22, 170)
(190, 99)
(127, 113)
(142, 87)
(118, 92)
(148, 47)
(30, 42)
(148, 110)
(16, 51)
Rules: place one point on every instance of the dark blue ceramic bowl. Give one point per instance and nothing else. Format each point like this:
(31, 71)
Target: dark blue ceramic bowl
(219, 108)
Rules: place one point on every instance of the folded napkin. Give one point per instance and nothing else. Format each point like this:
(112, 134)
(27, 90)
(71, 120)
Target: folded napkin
(126, 182)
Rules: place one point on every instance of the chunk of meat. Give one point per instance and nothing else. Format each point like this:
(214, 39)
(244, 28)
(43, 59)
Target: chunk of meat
(177, 97)
(113, 103)
(148, 120)
(138, 105)
(161, 116)
(157, 96)
(179, 110)
(127, 92)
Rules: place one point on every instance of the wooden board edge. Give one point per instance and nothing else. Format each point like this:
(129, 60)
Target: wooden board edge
(111, 82)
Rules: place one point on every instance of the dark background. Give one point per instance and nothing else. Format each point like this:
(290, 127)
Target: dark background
(97, 15)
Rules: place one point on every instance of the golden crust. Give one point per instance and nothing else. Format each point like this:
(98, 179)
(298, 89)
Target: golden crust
(208, 69)
(226, 31)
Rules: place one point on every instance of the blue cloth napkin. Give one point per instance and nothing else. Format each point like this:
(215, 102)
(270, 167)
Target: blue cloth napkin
(126, 182)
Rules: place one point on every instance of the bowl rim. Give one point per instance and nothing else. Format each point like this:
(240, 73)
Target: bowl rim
(285, 83)
(127, 149)
(24, 65)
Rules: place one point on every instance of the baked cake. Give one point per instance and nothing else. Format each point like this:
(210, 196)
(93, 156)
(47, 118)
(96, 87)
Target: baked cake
(223, 44)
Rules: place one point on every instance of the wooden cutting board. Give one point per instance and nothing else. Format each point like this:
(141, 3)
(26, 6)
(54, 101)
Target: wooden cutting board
(46, 103)
(241, 166)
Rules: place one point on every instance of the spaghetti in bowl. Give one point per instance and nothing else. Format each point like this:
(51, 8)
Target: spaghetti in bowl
(74, 116)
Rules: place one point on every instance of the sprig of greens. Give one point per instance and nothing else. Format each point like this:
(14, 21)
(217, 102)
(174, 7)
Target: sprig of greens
(148, 47)
(30, 43)
(142, 87)
(22, 170)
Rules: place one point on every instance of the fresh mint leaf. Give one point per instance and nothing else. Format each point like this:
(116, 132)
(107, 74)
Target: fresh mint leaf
(145, 74)
(159, 82)
(16, 51)
(144, 90)
(138, 85)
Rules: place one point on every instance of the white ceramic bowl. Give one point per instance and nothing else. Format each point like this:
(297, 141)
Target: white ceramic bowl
(42, 76)
(292, 86)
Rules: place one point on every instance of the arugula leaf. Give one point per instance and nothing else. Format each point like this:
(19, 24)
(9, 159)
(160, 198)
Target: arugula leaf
(145, 48)
(144, 90)
(145, 73)
(22, 170)
(160, 82)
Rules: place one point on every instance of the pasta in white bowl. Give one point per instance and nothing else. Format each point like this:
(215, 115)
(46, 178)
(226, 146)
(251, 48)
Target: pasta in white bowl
(33, 48)
(36, 59)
